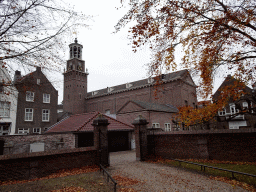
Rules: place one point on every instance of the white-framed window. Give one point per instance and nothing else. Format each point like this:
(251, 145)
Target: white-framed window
(167, 127)
(4, 109)
(128, 85)
(37, 130)
(222, 112)
(46, 115)
(4, 129)
(245, 105)
(110, 89)
(46, 98)
(107, 112)
(30, 96)
(233, 109)
(94, 93)
(29, 114)
(38, 81)
(155, 125)
(59, 110)
(23, 131)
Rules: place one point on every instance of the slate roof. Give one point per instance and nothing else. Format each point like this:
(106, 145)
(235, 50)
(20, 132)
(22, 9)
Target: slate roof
(136, 84)
(153, 106)
(82, 122)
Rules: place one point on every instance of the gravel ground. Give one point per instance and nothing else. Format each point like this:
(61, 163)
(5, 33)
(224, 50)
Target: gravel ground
(157, 177)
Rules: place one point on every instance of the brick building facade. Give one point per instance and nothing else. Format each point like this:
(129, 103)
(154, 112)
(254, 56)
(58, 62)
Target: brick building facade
(37, 103)
(175, 90)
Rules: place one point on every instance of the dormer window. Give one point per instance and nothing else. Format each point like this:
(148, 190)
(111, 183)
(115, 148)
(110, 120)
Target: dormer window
(150, 80)
(110, 89)
(94, 93)
(128, 85)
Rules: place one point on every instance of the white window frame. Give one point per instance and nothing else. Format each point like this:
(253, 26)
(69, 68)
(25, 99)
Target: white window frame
(37, 130)
(46, 98)
(30, 96)
(107, 112)
(223, 112)
(59, 110)
(155, 125)
(233, 109)
(4, 132)
(4, 109)
(167, 127)
(46, 115)
(245, 105)
(28, 112)
(23, 131)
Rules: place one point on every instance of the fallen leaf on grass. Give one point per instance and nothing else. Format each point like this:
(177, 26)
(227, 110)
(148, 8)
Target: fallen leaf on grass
(61, 173)
(235, 182)
(70, 189)
(126, 190)
(125, 181)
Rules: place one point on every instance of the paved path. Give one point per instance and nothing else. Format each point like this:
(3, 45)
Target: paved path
(157, 177)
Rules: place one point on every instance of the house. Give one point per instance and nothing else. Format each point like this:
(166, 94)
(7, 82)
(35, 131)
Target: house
(37, 103)
(120, 135)
(239, 113)
(176, 89)
(8, 103)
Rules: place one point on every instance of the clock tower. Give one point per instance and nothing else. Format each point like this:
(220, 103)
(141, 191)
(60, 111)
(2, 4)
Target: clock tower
(75, 81)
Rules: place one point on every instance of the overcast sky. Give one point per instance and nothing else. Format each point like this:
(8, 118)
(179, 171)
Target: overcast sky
(108, 56)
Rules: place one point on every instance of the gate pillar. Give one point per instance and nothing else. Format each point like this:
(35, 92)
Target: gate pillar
(140, 124)
(101, 139)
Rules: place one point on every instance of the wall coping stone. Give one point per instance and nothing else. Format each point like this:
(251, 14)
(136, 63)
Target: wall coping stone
(199, 132)
(46, 153)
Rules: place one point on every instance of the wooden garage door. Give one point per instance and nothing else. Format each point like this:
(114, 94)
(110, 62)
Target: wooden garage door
(118, 141)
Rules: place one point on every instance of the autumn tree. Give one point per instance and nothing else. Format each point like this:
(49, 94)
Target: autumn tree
(32, 32)
(214, 35)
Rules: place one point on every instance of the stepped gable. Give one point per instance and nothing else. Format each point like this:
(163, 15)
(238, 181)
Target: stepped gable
(83, 122)
(136, 84)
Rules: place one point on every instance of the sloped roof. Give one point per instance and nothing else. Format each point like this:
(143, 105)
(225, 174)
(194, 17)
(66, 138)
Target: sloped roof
(152, 106)
(228, 81)
(137, 84)
(82, 122)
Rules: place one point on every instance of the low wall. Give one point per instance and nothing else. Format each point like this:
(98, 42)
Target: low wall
(39, 164)
(226, 145)
(14, 144)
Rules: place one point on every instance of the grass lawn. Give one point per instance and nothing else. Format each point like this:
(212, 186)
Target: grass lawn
(92, 181)
(235, 166)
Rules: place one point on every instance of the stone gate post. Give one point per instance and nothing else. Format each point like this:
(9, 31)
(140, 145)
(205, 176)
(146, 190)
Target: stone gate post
(101, 139)
(140, 124)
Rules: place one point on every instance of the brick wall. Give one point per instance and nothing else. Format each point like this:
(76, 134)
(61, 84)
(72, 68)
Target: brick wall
(227, 145)
(40, 164)
(15, 144)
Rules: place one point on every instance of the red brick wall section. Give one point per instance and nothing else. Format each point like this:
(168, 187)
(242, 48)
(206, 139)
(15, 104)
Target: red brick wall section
(35, 165)
(21, 143)
(224, 145)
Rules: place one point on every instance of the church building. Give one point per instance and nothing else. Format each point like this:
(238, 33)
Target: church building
(126, 101)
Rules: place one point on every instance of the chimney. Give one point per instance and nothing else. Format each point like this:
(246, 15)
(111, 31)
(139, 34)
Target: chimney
(38, 68)
(17, 76)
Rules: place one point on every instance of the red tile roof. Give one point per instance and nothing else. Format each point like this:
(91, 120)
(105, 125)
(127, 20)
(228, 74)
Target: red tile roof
(82, 122)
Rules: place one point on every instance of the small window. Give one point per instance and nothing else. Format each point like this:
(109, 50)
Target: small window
(245, 105)
(107, 112)
(155, 125)
(45, 129)
(45, 115)
(80, 96)
(150, 80)
(233, 109)
(4, 129)
(167, 127)
(46, 98)
(94, 93)
(30, 96)
(37, 130)
(128, 85)
(59, 110)
(38, 81)
(110, 89)
(222, 112)
(23, 131)
(4, 109)
(29, 114)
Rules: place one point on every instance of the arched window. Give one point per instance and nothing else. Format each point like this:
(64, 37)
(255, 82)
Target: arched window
(71, 52)
(78, 52)
(75, 51)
